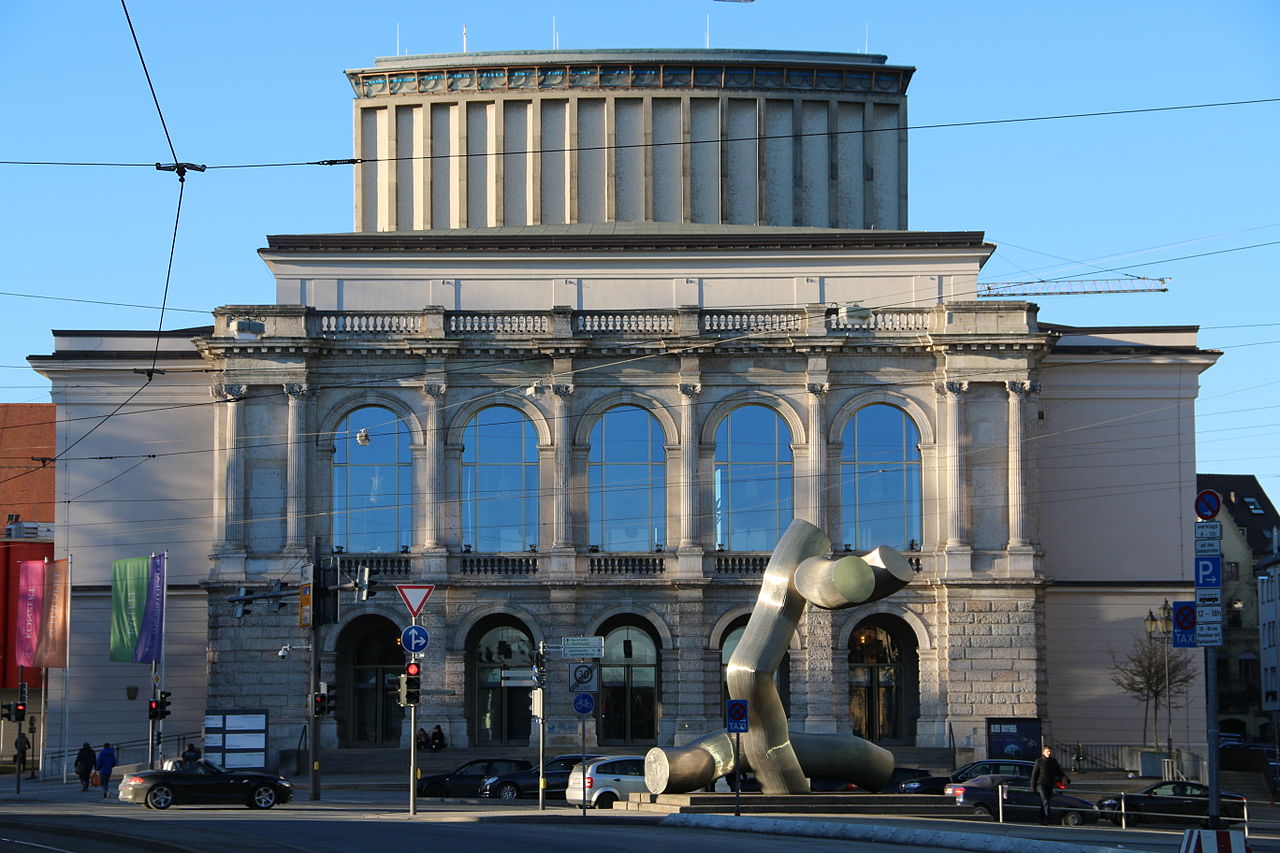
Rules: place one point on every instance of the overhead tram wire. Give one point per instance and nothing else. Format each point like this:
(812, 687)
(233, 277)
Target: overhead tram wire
(355, 161)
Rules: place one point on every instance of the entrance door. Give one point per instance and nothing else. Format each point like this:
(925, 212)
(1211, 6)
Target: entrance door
(502, 714)
(882, 690)
(628, 687)
(370, 648)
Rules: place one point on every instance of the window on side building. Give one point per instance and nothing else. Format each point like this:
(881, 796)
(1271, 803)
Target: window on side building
(372, 482)
(499, 481)
(880, 480)
(626, 474)
(753, 485)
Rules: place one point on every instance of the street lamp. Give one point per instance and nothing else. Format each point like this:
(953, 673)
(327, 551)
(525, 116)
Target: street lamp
(1161, 628)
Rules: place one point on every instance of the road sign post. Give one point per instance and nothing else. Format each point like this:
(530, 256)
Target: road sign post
(1208, 578)
(584, 704)
(737, 720)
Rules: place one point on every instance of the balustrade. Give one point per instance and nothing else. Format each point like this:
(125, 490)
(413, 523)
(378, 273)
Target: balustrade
(627, 564)
(493, 564)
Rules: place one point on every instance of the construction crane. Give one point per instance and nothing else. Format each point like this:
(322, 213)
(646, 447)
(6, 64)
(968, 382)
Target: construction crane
(1073, 287)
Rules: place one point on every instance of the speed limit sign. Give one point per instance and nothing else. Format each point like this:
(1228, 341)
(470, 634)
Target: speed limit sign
(584, 678)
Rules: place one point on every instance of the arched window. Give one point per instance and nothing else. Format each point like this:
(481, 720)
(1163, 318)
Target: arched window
(499, 481)
(629, 687)
(880, 480)
(501, 713)
(626, 474)
(752, 479)
(372, 482)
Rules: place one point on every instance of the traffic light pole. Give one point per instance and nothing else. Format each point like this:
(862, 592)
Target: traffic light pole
(413, 760)
(313, 748)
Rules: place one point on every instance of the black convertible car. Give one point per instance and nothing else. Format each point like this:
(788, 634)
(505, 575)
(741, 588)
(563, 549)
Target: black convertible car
(524, 783)
(1172, 802)
(465, 781)
(203, 782)
(1020, 803)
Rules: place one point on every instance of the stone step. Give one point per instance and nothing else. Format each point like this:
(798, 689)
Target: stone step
(854, 803)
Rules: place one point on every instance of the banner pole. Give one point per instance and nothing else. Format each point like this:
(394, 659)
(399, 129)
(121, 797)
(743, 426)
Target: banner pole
(66, 679)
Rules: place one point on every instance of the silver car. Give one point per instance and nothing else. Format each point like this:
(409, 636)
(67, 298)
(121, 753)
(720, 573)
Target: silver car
(606, 780)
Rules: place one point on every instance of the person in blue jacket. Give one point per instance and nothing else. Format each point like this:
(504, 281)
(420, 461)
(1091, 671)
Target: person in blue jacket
(106, 763)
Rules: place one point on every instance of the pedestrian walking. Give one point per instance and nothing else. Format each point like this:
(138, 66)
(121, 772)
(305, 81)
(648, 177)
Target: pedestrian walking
(1077, 759)
(1046, 776)
(20, 746)
(86, 760)
(105, 764)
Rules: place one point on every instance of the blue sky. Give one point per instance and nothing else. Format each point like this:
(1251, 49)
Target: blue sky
(262, 82)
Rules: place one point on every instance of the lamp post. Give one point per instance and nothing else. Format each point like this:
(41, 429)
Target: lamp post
(1161, 628)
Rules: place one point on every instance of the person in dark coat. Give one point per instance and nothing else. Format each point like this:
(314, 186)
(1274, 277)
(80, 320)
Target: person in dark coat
(1045, 776)
(105, 764)
(420, 740)
(190, 757)
(437, 739)
(86, 759)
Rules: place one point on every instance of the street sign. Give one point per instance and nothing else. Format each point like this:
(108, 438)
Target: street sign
(1209, 595)
(1184, 624)
(1208, 571)
(1207, 504)
(304, 606)
(518, 678)
(1208, 547)
(584, 678)
(582, 647)
(414, 639)
(736, 717)
(414, 595)
(1208, 529)
(584, 703)
(1206, 613)
(535, 702)
(1209, 634)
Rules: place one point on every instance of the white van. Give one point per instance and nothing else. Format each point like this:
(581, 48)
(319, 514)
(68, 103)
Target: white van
(607, 780)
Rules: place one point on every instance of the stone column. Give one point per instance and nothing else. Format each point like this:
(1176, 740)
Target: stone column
(232, 473)
(562, 539)
(951, 392)
(819, 675)
(295, 538)
(689, 467)
(817, 509)
(427, 471)
(1020, 392)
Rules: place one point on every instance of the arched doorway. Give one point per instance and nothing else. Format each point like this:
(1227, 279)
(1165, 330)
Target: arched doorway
(729, 642)
(369, 663)
(884, 688)
(629, 687)
(498, 715)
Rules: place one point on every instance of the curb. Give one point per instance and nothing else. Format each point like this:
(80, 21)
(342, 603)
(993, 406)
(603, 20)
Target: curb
(925, 838)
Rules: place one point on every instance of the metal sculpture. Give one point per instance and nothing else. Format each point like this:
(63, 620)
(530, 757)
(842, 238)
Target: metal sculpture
(784, 761)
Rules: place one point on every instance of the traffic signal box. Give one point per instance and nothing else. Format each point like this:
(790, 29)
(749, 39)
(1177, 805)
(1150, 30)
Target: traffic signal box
(14, 711)
(158, 709)
(412, 682)
(324, 701)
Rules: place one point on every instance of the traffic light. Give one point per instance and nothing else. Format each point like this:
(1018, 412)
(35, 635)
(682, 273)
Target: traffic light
(366, 584)
(19, 711)
(22, 691)
(540, 665)
(319, 704)
(6, 711)
(158, 709)
(412, 682)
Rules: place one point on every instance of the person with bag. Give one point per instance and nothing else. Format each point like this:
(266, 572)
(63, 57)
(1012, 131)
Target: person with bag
(86, 759)
(102, 769)
(1047, 776)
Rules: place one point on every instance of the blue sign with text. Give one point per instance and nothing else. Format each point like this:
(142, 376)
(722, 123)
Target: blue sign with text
(1184, 624)
(735, 715)
(1208, 571)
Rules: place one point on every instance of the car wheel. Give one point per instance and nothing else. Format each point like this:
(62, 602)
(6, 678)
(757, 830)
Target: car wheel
(983, 811)
(263, 797)
(605, 801)
(1072, 819)
(508, 791)
(434, 790)
(160, 797)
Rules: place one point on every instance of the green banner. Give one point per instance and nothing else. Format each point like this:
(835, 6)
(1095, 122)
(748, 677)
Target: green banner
(128, 603)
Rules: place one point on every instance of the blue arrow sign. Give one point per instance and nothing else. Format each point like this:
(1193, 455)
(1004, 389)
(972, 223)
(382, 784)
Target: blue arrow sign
(1208, 571)
(414, 639)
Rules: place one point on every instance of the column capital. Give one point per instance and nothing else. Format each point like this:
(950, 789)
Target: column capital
(951, 387)
(1022, 387)
(434, 389)
(562, 389)
(690, 389)
(297, 390)
(229, 393)
(818, 387)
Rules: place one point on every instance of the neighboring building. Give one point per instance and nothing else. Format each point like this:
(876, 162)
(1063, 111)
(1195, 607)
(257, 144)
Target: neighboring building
(594, 408)
(1249, 530)
(27, 445)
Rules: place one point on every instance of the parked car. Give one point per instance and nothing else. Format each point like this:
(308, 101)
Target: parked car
(606, 780)
(1172, 802)
(204, 783)
(1021, 802)
(986, 767)
(465, 781)
(524, 783)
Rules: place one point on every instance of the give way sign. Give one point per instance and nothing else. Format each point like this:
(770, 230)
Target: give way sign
(414, 595)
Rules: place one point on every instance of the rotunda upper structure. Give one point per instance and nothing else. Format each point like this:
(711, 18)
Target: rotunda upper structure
(740, 137)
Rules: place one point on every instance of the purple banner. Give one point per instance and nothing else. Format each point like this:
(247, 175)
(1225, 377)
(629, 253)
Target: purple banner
(51, 650)
(151, 632)
(30, 610)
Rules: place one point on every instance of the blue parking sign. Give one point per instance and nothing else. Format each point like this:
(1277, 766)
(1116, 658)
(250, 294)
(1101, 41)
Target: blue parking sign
(1208, 571)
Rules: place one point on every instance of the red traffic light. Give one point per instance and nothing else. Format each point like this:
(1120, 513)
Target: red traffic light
(413, 668)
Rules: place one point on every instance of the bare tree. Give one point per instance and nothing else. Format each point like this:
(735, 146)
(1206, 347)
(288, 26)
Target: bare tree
(1142, 674)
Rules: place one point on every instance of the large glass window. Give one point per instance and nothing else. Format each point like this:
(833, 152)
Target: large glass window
(501, 713)
(499, 481)
(752, 479)
(372, 482)
(629, 687)
(880, 480)
(626, 476)
(875, 685)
